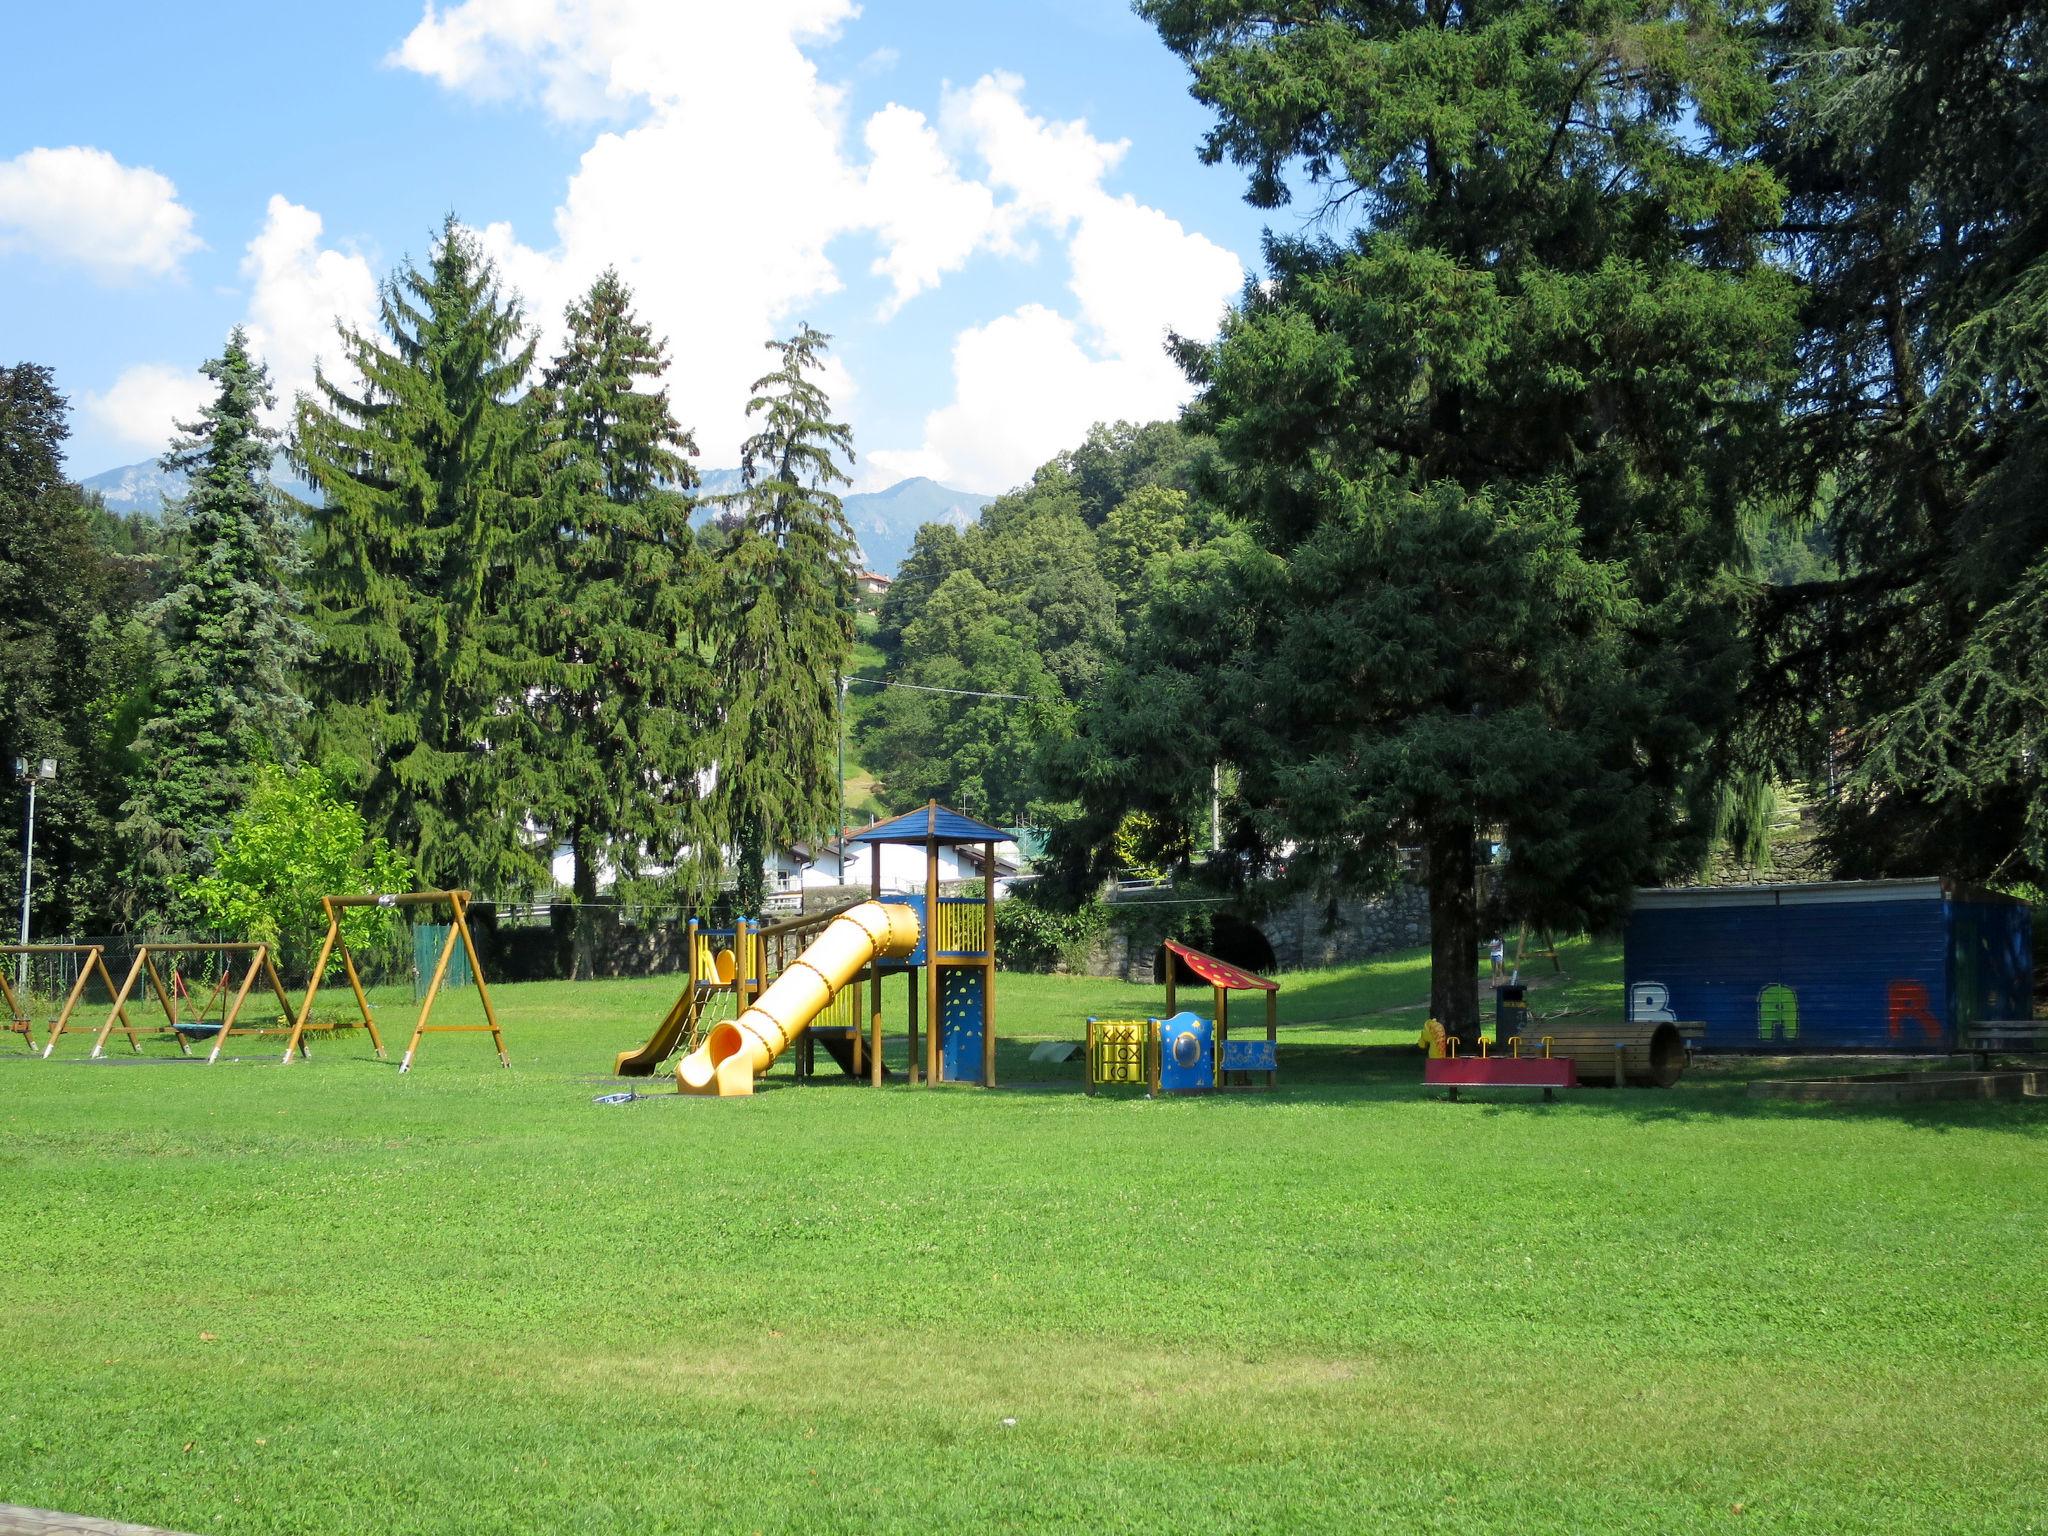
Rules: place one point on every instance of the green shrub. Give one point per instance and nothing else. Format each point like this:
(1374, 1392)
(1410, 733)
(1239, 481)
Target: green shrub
(1031, 937)
(294, 842)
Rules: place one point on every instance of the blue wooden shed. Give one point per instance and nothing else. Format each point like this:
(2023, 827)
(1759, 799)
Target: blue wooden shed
(1862, 965)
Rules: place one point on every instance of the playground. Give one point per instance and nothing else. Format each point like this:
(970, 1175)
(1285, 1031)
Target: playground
(316, 1298)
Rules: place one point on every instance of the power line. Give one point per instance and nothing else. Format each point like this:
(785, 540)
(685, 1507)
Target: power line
(965, 693)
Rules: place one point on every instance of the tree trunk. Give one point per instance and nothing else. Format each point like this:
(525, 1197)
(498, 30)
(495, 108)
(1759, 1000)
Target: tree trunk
(750, 883)
(583, 887)
(1453, 932)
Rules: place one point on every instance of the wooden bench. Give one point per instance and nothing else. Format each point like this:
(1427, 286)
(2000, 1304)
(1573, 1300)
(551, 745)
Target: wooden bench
(2005, 1037)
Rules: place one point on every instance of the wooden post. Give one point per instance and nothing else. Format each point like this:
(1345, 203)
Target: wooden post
(911, 1059)
(1166, 956)
(476, 972)
(934, 1024)
(166, 998)
(120, 1003)
(1222, 1034)
(1088, 1058)
(313, 981)
(427, 1006)
(1273, 1036)
(988, 979)
(234, 1010)
(875, 986)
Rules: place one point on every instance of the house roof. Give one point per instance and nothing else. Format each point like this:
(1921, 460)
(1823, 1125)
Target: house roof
(1218, 973)
(931, 823)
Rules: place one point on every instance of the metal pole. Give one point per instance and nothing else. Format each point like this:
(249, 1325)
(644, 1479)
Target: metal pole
(839, 831)
(28, 867)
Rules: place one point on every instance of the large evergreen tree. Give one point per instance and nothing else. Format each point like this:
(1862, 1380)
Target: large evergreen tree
(1915, 676)
(226, 694)
(626, 713)
(428, 471)
(1486, 430)
(72, 660)
(785, 597)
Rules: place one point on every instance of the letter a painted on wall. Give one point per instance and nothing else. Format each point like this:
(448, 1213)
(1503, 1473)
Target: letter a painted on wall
(1777, 1010)
(1908, 1001)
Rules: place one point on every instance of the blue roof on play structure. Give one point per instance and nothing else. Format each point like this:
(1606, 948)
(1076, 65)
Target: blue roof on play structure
(931, 823)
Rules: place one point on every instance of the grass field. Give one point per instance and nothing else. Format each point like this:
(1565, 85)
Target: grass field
(327, 1298)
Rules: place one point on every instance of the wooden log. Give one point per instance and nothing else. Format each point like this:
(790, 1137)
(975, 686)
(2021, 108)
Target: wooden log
(1614, 1055)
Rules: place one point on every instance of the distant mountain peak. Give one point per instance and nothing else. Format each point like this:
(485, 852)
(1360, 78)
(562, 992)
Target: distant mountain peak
(885, 521)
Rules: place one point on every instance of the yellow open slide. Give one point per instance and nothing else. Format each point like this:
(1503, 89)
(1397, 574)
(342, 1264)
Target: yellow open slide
(739, 1050)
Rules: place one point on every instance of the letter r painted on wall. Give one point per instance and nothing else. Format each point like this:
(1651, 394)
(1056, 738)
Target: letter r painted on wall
(1777, 1009)
(1907, 1001)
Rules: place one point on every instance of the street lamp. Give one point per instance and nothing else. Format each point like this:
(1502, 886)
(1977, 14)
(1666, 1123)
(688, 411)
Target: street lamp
(30, 774)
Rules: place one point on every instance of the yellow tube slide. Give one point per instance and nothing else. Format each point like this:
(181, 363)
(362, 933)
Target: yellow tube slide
(738, 1051)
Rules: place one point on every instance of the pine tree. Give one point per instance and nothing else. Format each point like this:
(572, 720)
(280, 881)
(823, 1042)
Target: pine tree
(785, 585)
(429, 476)
(626, 713)
(1486, 428)
(226, 695)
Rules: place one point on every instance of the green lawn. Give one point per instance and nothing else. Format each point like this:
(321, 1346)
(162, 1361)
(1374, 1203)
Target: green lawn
(328, 1298)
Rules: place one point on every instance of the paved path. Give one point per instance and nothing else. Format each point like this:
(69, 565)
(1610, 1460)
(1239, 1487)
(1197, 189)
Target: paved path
(17, 1520)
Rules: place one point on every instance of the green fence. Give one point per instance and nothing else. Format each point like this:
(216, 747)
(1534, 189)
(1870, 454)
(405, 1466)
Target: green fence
(427, 939)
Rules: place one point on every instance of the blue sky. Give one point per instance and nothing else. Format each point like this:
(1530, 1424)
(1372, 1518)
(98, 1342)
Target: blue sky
(1025, 173)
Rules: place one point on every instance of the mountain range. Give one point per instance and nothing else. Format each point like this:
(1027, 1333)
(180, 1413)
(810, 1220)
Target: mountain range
(885, 521)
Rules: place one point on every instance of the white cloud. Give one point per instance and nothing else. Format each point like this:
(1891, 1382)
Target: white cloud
(1054, 169)
(929, 219)
(1032, 382)
(298, 290)
(725, 177)
(145, 402)
(81, 205)
(717, 205)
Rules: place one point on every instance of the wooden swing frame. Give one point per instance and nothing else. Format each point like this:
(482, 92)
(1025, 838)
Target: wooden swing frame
(457, 903)
(145, 966)
(19, 1021)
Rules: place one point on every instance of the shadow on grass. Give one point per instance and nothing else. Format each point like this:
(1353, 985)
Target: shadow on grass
(1339, 1074)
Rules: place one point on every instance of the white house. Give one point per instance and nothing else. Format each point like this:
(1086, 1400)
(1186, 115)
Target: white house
(903, 865)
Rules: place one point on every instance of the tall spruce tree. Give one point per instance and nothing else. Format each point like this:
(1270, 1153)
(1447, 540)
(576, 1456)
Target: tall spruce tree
(1486, 428)
(785, 595)
(226, 695)
(626, 714)
(429, 475)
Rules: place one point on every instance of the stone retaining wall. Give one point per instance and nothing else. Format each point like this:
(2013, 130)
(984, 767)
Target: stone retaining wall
(1305, 932)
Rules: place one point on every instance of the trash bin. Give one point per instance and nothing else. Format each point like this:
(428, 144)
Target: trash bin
(1510, 1012)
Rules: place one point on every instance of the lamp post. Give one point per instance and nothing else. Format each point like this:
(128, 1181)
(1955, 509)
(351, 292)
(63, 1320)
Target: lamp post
(31, 774)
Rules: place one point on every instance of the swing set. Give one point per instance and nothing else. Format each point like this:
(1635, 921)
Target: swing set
(19, 1019)
(457, 903)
